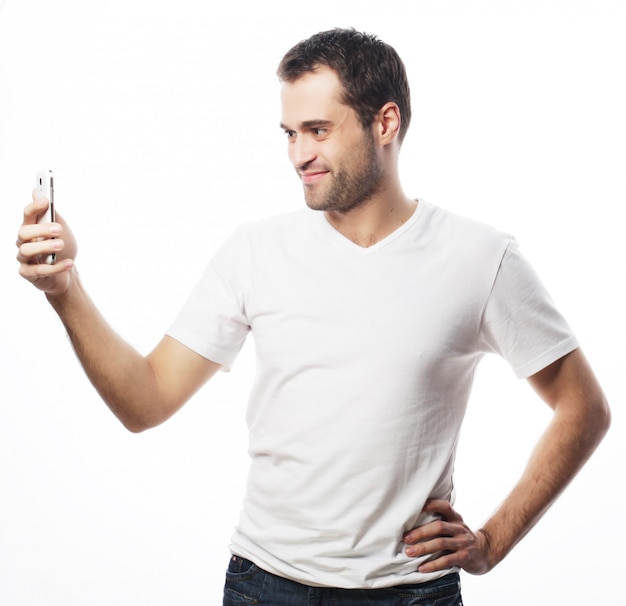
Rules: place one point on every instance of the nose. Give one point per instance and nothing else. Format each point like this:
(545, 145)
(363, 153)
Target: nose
(301, 151)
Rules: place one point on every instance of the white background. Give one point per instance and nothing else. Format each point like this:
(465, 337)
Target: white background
(160, 120)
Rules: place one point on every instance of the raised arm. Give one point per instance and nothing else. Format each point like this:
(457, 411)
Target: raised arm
(142, 391)
(580, 420)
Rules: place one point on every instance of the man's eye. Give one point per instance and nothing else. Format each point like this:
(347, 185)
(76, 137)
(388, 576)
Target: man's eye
(290, 134)
(319, 132)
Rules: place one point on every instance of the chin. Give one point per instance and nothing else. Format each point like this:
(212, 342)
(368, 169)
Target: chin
(313, 206)
(316, 202)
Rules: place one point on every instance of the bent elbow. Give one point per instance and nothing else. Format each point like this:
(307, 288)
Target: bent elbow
(604, 417)
(597, 421)
(135, 427)
(138, 423)
(139, 415)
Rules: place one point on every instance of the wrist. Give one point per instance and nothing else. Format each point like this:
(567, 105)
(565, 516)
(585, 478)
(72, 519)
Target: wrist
(59, 298)
(495, 550)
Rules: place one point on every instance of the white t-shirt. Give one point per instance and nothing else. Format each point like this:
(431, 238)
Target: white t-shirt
(365, 361)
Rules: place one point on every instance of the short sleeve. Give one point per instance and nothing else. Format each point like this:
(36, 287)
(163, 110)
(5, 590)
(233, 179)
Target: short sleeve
(521, 322)
(212, 322)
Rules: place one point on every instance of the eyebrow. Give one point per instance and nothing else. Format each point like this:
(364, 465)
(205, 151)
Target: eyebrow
(309, 124)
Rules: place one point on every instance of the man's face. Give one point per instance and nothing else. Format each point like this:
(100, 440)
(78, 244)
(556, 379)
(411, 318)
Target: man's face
(334, 157)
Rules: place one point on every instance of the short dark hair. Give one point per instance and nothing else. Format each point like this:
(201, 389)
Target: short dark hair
(370, 71)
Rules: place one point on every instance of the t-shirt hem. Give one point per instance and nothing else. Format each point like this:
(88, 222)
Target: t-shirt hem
(339, 581)
(543, 361)
(219, 356)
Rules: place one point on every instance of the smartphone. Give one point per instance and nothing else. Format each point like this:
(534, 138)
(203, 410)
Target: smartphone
(45, 189)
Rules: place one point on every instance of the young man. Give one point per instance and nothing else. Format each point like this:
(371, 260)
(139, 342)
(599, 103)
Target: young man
(369, 318)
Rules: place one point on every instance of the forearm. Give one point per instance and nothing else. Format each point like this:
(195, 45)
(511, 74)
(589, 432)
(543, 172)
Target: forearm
(124, 378)
(567, 443)
(580, 420)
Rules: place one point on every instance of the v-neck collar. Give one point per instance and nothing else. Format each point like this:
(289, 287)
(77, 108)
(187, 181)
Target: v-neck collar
(338, 237)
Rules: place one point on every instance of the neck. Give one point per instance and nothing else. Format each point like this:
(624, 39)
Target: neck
(375, 219)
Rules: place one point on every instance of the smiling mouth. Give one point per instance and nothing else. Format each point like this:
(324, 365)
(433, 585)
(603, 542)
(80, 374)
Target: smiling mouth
(312, 177)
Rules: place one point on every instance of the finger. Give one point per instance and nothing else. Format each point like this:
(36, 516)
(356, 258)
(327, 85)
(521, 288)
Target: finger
(455, 545)
(452, 550)
(427, 532)
(442, 508)
(30, 232)
(35, 209)
(437, 506)
(422, 535)
(32, 252)
(36, 271)
(443, 562)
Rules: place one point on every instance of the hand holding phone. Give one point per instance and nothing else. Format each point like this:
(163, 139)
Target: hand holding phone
(44, 187)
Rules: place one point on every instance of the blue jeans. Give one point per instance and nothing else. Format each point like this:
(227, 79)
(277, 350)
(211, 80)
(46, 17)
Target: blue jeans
(246, 583)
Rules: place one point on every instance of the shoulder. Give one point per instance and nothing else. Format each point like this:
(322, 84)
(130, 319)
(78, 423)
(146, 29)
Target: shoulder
(277, 235)
(463, 226)
(262, 241)
(276, 224)
(462, 235)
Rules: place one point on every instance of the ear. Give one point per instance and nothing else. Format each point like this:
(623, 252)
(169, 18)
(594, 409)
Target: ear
(387, 123)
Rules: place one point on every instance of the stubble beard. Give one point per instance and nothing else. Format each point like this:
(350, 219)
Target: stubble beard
(353, 183)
